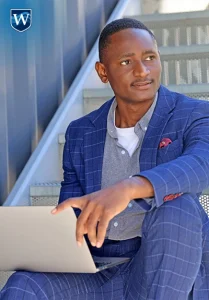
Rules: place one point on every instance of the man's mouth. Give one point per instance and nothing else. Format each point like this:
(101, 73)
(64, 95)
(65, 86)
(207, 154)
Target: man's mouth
(141, 83)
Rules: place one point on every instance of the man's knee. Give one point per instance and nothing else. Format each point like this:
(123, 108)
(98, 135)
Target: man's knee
(25, 284)
(18, 285)
(179, 215)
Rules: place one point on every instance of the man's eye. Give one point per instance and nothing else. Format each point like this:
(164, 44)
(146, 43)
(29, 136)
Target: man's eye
(151, 57)
(125, 62)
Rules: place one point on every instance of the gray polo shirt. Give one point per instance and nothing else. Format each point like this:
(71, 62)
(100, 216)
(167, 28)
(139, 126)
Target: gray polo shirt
(118, 165)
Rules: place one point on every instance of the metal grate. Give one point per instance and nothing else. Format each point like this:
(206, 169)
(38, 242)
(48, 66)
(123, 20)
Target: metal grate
(183, 70)
(44, 201)
(182, 35)
(199, 96)
(204, 200)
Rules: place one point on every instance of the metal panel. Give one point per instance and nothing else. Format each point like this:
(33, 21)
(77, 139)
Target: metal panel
(95, 10)
(37, 68)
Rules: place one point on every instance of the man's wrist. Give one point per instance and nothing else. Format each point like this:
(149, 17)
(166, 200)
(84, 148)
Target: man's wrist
(140, 187)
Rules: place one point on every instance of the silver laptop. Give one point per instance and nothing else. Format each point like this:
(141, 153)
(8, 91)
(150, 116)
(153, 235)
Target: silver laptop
(32, 239)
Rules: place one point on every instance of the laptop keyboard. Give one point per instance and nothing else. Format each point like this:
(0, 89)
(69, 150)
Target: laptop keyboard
(102, 263)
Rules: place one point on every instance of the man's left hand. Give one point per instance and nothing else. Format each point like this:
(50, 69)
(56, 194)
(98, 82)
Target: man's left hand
(99, 208)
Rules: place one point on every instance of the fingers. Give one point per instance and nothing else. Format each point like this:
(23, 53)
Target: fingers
(91, 225)
(95, 221)
(78, 202)
(102, 229)
(82, 225)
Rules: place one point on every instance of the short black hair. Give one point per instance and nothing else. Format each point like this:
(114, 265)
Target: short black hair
(116, 26)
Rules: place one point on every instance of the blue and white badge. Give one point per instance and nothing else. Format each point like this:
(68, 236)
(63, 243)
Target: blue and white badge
(21, 19)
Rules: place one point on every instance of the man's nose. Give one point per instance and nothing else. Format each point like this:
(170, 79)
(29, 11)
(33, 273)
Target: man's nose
(140, 69)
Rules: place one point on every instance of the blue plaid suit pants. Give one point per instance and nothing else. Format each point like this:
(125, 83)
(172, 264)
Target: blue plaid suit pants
(169, 262)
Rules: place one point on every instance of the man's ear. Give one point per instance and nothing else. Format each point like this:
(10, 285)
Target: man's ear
(101, 71)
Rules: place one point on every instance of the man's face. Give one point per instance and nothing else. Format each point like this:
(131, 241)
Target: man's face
(131, 63)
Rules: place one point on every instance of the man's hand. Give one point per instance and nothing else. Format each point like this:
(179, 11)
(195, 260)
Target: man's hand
(100, 207)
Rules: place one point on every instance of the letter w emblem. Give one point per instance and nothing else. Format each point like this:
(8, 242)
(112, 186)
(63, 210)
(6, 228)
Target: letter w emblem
(21, 19)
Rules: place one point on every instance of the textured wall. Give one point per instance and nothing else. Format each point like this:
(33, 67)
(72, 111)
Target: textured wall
(37, 68)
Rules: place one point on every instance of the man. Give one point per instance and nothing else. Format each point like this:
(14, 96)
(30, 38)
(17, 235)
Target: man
(133, 171)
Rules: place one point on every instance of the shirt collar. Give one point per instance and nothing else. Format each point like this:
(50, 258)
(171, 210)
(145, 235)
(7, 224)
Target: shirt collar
(142, 123)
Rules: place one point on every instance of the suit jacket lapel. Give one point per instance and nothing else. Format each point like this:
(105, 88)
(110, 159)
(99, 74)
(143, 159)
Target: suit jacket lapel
(161, 115)
(94, 141)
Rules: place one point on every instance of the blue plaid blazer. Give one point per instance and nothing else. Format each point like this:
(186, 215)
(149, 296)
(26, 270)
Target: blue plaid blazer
(180, 167)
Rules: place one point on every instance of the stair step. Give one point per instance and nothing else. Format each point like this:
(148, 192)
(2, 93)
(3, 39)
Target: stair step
(192, 89)
(61, 138)
(171, 19)
(176, 29)
(184, 51)
(45, 194)
(61, 141)
(206, 192)
(45, 189)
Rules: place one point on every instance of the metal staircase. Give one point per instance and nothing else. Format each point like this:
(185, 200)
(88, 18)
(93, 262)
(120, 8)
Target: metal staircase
(183, 40)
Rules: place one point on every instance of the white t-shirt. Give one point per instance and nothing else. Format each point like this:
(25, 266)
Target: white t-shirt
(127, 138)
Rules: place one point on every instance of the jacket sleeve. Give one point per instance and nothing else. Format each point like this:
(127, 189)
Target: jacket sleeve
(189, 173)
(70, 186)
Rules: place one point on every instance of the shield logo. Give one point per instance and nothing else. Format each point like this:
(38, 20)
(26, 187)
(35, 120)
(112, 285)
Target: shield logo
(21, 19)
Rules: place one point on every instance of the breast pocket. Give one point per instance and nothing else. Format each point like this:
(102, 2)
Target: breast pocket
(170, 152)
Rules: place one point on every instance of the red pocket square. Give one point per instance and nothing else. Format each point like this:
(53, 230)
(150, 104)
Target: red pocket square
(172, 196)
(165, 142)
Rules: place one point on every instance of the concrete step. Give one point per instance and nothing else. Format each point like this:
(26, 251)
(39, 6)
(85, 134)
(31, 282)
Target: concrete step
(176, 29)
(43, 194)
(184, 51)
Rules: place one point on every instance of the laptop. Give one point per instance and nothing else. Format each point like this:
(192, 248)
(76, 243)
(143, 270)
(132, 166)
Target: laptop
(32, 239)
